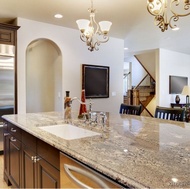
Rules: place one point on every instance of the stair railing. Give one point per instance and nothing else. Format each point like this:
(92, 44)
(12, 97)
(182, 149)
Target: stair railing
(136, 87)
(144, 68)
(141, 81)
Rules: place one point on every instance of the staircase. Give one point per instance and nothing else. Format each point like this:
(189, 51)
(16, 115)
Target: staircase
(146, 94)
(141, 94)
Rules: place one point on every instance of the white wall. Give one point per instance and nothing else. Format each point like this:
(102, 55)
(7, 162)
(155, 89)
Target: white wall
(74, 54)
(137, 71)
(148, 61)
(170, 63)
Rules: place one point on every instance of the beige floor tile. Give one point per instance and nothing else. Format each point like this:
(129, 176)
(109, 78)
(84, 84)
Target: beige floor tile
(2, 182)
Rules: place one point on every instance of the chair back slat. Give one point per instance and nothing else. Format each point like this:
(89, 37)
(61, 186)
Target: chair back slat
(130, 109)
(169, 113)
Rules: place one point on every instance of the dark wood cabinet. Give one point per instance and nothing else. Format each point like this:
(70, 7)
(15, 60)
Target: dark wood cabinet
(7, 36)
(40, 163)
(14, 161)
(49, 153)
(29, 162)
(48, 159)
(12, 155)
(6, 153)
(28, 168)
(48, 175)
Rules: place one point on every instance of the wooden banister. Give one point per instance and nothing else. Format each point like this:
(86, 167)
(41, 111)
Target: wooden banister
(144, 68)
(141, 81)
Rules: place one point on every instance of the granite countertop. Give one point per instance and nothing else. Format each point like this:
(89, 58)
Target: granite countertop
(136, 151)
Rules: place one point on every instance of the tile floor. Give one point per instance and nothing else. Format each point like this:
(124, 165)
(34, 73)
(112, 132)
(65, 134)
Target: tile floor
(2, 183)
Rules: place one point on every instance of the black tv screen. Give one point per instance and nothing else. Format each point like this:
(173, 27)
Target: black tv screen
(95, 81)
(176, 84)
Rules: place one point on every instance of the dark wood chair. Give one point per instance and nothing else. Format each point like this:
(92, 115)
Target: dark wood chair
(176, 114)
(130, 109)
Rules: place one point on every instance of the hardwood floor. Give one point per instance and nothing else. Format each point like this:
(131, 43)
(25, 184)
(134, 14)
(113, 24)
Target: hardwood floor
(2, 183)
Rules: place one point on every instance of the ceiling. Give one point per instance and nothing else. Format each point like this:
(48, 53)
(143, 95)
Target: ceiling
(130, 18)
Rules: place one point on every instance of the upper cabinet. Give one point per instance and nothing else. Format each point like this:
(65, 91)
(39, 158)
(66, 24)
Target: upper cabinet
(8, 34)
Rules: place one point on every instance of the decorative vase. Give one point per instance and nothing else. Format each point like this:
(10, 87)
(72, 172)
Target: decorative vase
(177, 99)
(82, 106)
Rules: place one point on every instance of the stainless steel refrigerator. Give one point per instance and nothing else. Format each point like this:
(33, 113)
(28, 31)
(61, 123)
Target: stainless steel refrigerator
(6, 85)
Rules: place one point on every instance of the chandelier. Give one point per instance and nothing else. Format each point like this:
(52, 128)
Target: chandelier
(158, 8)
(93, 33)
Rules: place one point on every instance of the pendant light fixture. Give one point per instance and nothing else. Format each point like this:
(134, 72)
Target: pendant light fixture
(93, 33)
(160, 9)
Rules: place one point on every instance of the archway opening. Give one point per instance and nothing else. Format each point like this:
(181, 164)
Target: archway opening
(43, 76)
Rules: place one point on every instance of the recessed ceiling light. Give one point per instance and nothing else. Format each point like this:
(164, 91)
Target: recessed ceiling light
(125, 48)
(58, 16)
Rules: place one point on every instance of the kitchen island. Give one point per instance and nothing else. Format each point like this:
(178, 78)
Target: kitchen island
(134, 151)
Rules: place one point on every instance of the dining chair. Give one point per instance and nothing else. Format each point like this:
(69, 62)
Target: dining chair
(176, 114)
(130, 109)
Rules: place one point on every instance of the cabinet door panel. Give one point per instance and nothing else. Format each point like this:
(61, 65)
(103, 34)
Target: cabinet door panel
(48, 152)
(28, 168)
(6, 157)
(48, 176)
(6, 152)
(7, 36)
(15, 161)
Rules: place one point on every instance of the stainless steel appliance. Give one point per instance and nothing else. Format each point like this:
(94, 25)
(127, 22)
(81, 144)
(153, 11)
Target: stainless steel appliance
(6, 85)
(77, 175)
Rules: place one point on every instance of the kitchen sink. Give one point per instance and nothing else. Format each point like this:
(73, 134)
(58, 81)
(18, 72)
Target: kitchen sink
(68, 131)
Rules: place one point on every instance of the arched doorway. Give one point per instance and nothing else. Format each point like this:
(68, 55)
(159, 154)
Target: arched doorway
(43, 76)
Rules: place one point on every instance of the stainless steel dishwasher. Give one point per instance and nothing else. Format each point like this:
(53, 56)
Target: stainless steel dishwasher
(76, 175)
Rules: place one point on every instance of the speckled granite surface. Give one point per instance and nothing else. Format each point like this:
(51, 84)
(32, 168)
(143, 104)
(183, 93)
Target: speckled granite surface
(136, 151)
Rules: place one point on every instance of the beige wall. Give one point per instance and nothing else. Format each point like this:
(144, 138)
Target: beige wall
(43, 77)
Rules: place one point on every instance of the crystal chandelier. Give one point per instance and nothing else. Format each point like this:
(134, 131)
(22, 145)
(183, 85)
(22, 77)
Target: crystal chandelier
(93, 33)
(158, 8)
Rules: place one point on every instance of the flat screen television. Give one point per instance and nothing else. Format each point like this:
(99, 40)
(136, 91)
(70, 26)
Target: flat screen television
(95, 81)
(176, 84)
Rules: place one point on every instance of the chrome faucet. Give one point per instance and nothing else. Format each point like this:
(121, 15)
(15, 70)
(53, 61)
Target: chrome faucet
(103, 118)
(68, 108)
(89, 117)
